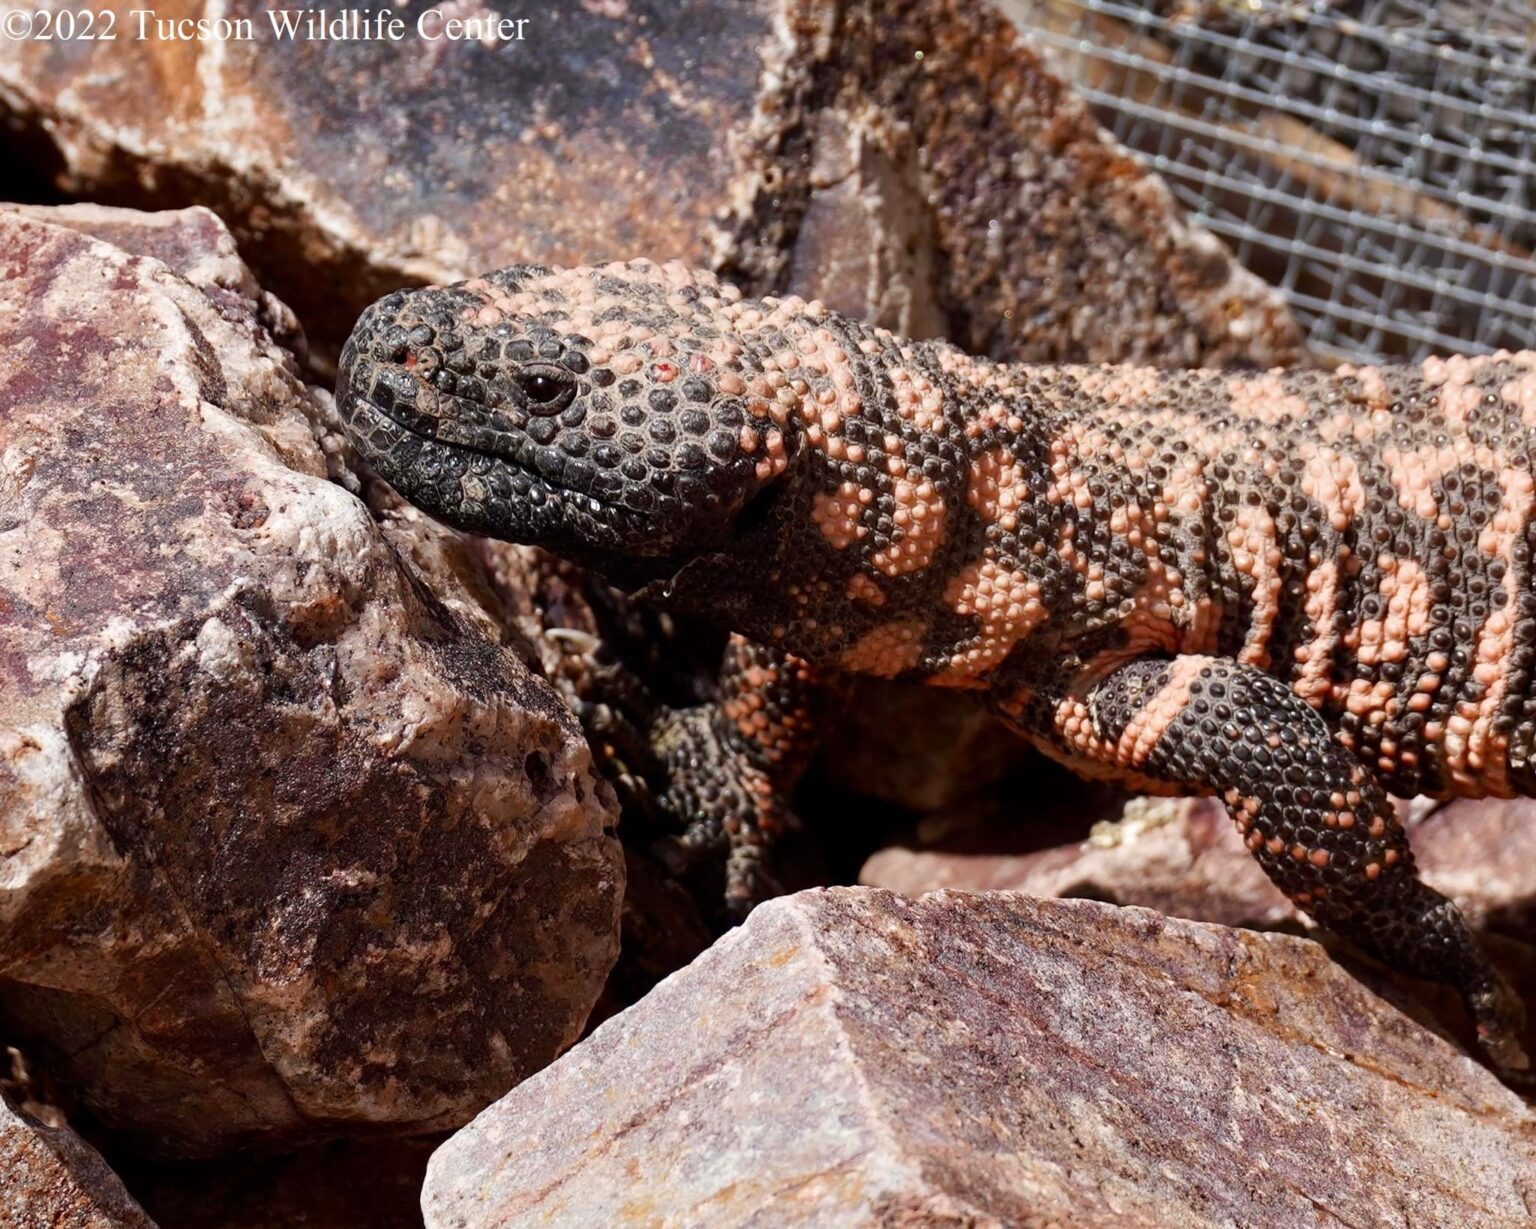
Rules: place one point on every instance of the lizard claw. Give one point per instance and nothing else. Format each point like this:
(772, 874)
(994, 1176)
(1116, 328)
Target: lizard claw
(748, 881)
(1500, 1017)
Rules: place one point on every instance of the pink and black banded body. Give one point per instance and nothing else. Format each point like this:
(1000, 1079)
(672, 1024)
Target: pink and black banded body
(1293, 589)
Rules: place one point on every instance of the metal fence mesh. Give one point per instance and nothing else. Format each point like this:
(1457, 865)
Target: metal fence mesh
(1372, 158)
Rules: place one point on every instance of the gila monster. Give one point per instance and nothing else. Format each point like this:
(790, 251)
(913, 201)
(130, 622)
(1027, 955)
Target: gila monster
(1297, 589)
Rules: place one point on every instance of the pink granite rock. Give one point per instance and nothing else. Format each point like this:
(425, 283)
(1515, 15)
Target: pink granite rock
(1179, 856)
(1482, 852)
(291, 845)
(850, 1057)
(1184, 857)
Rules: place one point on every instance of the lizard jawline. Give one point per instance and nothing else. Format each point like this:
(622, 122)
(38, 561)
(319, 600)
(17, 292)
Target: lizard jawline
(590, 504)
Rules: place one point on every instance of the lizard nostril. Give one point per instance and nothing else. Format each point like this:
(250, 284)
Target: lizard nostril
(396, 345)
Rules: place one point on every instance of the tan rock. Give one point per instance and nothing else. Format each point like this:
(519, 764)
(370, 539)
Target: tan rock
(290, 844)
(1180, 856)
(1183, 856)
(52, 1179)
(850, 1057)
(909, 161)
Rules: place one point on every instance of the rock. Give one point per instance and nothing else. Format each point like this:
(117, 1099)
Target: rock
(1180, 856)
(990, 1060)
(1183, 856)
(1482, 853)
(912, 162)
(51, 1179)
(293, 845)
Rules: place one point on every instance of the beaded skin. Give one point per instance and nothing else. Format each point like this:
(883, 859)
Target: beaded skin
(1297, 590)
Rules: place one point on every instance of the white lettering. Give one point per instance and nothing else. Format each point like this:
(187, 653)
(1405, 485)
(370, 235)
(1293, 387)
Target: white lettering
(191, 29)
(346, 25)
(435, 26)
(285, 22)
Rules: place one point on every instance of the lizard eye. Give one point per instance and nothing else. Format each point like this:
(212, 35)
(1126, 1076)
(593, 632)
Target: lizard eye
(547, 389)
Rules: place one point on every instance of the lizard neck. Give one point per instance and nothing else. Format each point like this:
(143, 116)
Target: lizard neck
(911, 458)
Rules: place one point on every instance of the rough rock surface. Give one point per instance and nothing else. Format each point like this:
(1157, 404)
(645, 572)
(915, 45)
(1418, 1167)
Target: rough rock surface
(290, 844)
(1180, 856)
(51, 1179)
(1483, 854)
(910, 161)
(1184, 857)
(990, 1060)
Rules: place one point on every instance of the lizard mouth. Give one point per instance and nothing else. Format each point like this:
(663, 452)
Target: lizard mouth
(519, 503)
(458, 461)
(514, 456)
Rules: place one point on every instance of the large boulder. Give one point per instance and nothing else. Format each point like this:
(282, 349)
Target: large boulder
(911, 162)
(291, 843)
(850, 1057)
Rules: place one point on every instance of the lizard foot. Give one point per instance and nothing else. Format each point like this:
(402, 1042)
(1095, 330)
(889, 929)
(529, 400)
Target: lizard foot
(1500, 1017)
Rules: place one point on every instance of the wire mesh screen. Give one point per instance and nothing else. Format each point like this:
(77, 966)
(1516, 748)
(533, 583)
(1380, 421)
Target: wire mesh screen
(1372, 158)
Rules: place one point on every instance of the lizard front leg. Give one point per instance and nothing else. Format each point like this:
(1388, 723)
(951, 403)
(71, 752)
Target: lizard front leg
(732, 764)
(1316, 819)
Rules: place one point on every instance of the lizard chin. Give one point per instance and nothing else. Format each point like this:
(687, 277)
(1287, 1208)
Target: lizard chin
(490, 493)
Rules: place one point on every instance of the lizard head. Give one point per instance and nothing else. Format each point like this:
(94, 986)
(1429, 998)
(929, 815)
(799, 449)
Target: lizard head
(621, 416)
